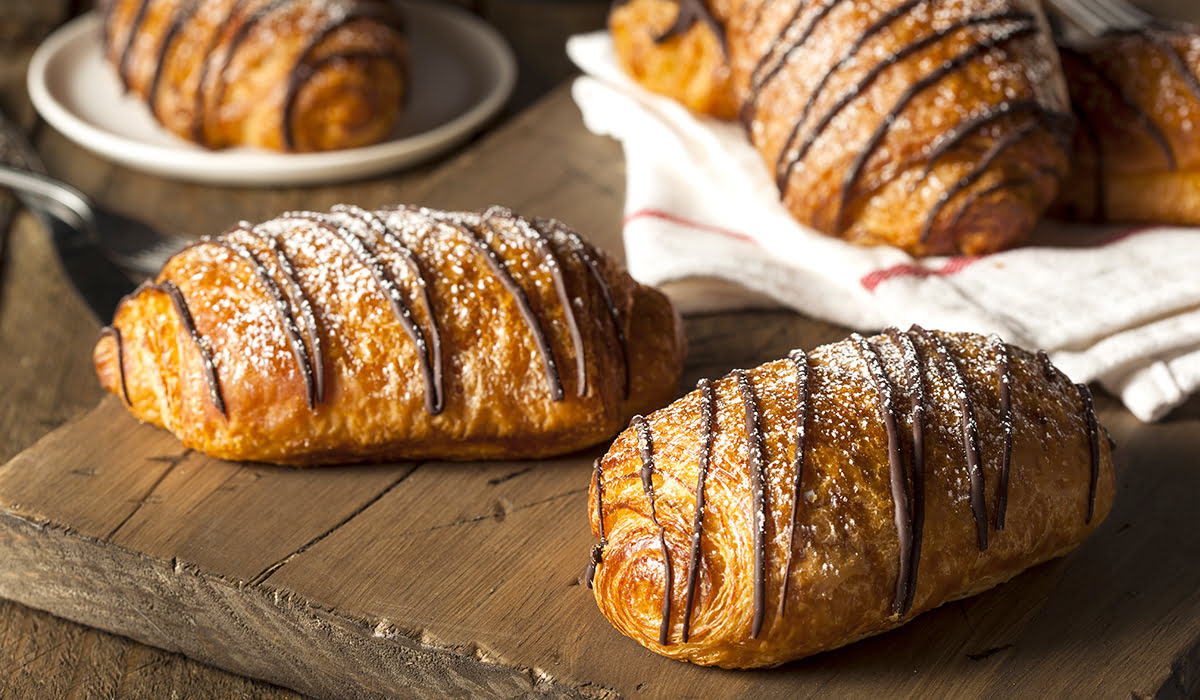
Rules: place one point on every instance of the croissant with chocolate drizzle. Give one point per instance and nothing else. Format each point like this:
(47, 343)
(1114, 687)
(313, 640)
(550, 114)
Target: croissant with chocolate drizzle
(1136, 157)
(278, 74)
(831, 495)
(403, 333)
(937, 126)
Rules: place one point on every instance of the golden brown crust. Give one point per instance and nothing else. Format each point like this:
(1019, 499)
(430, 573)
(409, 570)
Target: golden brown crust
(1136, 154)
(885, 123)
(278, 74)
(848, 570)
(670, 48)
(310, 339)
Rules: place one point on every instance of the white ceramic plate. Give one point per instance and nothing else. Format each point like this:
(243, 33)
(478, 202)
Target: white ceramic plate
(462, 73)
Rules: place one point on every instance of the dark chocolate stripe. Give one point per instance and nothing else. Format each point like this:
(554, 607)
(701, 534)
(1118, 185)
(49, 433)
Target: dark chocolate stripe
(387, 286)
(970, 430)
(784, 174)
(127, 53)
(597, 555)
(385, 233)
(183, 13)
(243, 30)
(303, 70)
(980, 168)
(901, 506)
(912, 367)
(759, 79)
(116, 336)
(971, 198)
(690, 12)
(1004, 379)
(500, 270)
(950, 140)
(707, 418)
(206, 58)
(803, 396)
(283, 310)
(916, 88)
(537, 236)
(1100, 194)
(586, 254)
(758, 498)
(299, 300)
(1048, 368)
(747, 111)
(1176, 60)
(1140, 115)
(879, 25)
(646, 451)
(1093, 428)
(189, 326)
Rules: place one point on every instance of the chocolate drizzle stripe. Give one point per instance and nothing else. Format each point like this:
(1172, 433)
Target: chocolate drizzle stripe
(646, 451)
(303, 69)
(901, 506)
(1176, 60)
(970, 430)
(189, 326)
(980, 168)
(1100, 191)
(917, 87)
(389, 237)
(690, 12)
(951, 139)
(1140, 115)
(387, 286)
(1093, 429)
(916, 455)
(500, 270)
(299, 300)
(759, 78)
(1004, 380)
(748, 104)
(534, 233)
(586, 254)
(707, 418)
(879, 25)
(976, 195)
(1048, 368)
(597, 555)
(127, 53)
(784, 173)
(283, 310)
(243, 30)
(803, 397)
(758, 498)
(179, 19)
(115, 333)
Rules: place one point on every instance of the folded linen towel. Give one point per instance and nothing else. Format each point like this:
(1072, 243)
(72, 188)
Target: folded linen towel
(1116, 305)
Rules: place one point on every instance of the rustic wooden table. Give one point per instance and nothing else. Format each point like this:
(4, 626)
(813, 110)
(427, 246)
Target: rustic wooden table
(1136, 633)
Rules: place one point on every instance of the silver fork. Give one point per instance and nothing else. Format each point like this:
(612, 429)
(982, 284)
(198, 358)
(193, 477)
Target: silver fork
(1099, 17)
(129, 243)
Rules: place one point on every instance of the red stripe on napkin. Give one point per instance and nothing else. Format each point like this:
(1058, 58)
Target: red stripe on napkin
(666, 216)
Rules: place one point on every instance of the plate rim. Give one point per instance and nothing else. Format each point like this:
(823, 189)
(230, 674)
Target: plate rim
(244, 167)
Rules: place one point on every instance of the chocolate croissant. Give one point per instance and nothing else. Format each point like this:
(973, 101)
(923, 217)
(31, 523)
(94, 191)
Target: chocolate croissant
(278, 74)
(937, 129)
(1136, 153)
(403, 333)
(818, 499)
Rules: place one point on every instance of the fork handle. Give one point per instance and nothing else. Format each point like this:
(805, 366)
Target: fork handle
(50, 196)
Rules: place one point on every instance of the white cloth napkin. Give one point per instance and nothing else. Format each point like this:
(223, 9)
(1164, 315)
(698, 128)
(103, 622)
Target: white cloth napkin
(1120, 306)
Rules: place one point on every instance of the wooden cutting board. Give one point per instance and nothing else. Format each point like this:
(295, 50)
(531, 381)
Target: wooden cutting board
(466, 579)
